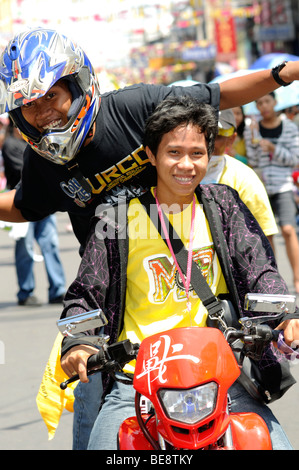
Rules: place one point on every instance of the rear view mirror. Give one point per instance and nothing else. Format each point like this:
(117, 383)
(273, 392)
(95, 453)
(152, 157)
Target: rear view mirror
(274, 303)
(82, 322)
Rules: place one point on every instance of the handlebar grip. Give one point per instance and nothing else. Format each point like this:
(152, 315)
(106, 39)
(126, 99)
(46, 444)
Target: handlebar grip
(275, 335)
(93, 361)
(96, 360)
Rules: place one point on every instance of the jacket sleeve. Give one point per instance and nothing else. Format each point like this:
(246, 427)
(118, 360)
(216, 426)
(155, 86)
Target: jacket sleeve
(89, 290)
(250, 257)
(253, 262)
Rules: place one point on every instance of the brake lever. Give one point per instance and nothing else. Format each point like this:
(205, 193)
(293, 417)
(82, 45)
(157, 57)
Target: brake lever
(76, 377)
(248, 322)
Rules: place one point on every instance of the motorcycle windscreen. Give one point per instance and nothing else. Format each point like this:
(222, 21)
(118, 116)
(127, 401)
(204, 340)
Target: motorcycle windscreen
(184, 358)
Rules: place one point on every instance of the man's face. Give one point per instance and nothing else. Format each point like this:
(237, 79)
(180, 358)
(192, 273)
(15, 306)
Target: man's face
(223, 144)
(181, 163)
(266, 105)
(49, 111)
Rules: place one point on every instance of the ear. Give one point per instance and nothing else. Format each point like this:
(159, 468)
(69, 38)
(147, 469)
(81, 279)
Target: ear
(150, 156)
(232, 138)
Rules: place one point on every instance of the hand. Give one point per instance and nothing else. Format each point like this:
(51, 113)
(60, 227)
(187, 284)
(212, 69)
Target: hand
(267, 146)
(291, 331)
(254, 125)
(75, 360)
(290, 72)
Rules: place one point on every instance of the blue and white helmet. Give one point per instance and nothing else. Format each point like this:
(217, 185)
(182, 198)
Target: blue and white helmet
(30, 65)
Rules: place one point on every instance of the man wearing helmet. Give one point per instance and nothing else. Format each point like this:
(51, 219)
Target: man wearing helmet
(91, 146)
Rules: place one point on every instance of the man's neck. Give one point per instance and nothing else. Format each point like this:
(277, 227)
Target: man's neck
(271, 122)
(171, 206)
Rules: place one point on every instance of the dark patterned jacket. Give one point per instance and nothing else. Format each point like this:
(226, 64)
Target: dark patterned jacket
(101, 281)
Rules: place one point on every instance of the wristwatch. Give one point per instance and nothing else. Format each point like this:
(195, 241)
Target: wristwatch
(275, 74)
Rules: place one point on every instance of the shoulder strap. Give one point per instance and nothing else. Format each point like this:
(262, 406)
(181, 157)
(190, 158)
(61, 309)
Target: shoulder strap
(198, 281)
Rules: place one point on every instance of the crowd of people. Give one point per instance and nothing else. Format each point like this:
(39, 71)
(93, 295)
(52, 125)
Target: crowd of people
(91, 151)
(269, 144)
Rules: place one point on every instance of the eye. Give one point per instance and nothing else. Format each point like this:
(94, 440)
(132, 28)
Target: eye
(50, 95)
(198, 153)
(174, 152)
(28, 105)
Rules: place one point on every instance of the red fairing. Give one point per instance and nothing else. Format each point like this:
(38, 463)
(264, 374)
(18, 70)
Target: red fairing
(184, 358)
(249, 432)
(131, 437)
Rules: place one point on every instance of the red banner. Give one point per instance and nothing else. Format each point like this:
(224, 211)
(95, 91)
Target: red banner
(225, 33)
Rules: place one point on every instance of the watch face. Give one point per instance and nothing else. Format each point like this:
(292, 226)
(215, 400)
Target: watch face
(281, 66)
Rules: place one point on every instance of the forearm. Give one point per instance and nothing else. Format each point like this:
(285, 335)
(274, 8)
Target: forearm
(8, 211)
(244, 89)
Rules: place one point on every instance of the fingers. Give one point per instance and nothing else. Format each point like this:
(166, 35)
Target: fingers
(291, 331)
(75, 360)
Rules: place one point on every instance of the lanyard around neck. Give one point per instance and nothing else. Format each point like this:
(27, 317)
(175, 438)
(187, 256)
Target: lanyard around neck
(186, 281)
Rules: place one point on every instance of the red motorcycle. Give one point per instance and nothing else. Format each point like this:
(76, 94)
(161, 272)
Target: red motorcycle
(182, 377)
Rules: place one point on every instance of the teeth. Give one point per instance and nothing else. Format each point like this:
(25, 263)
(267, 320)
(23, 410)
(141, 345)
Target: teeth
(52, 125)
(183, 179)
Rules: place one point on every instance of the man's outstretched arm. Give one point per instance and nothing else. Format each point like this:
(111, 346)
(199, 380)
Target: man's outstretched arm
(8, 210)
(246, 88)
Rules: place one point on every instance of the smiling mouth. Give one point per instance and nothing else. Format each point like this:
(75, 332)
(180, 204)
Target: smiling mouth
(52, 125)
(183, 179)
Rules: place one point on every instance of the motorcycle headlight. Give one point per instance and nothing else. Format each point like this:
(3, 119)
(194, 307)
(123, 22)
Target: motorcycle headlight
(192, 405)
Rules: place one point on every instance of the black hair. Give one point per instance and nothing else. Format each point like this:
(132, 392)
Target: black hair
(241, 127)
(176, 111)
(271, 93)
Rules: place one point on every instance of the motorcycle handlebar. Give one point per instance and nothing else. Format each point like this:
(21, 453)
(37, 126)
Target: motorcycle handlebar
(96, 360)
(115, 356)
(253, 340)
(109, 358)
(263, 333)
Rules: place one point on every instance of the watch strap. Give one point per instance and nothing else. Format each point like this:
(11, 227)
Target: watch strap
(275, 74)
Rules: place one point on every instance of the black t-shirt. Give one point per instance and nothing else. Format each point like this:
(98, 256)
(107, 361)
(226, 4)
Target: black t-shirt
(114, 163)
(273, 133)
(13, 153)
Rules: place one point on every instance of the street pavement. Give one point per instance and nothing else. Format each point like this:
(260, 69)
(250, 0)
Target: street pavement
(26, 339)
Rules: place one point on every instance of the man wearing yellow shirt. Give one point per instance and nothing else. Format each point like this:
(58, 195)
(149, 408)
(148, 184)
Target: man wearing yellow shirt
(224, 169)
(132, 274)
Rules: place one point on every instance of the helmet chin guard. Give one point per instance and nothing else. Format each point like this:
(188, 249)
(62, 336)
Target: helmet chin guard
(30, 65)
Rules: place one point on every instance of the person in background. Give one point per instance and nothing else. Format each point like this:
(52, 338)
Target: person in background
(224, 169)
(43, 231)
(295, 176)
(292, 113)
(238, 147)
(4, 121)
(274, 153)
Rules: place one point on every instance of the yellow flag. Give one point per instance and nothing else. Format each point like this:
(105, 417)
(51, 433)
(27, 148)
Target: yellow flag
(51, 400)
